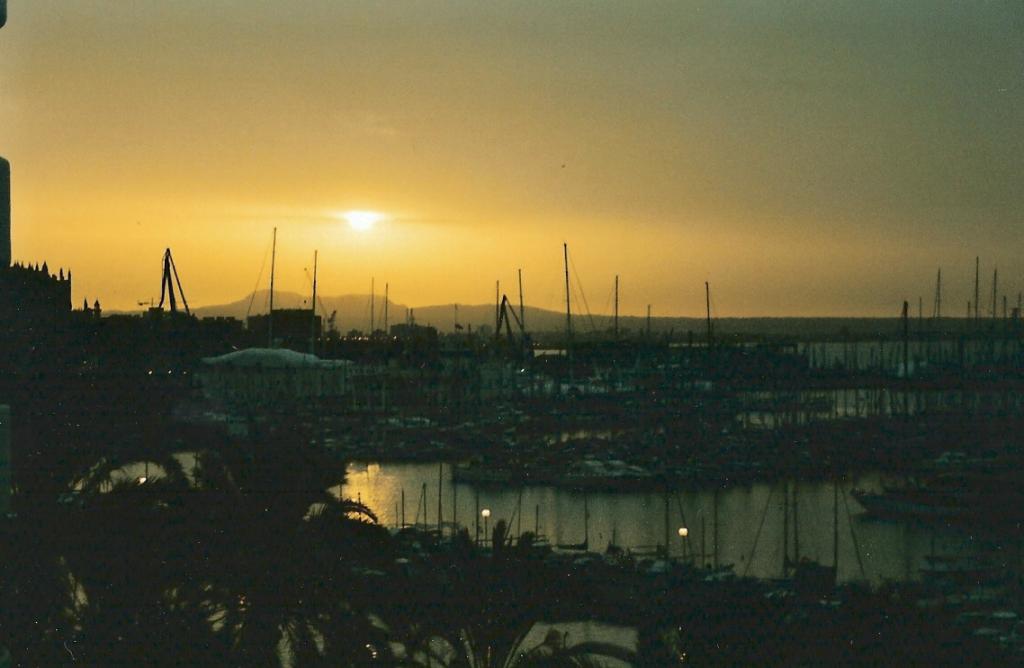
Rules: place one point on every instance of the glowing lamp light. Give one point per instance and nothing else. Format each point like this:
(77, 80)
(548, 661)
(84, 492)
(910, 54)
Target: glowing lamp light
(362, 221)
(486, 512)
(142, 480)
(683, 532)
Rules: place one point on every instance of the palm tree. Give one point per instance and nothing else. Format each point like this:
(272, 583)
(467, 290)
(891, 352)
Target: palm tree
(485, 609)
(245, 558)
(241, 561)
(554, 653)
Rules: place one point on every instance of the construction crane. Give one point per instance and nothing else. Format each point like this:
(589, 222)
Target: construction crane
(167, 286)
(506, 314)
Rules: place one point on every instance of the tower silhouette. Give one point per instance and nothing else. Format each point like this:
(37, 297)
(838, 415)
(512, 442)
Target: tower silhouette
(5, 211)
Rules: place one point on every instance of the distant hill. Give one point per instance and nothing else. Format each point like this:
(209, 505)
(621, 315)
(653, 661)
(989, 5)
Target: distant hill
(353, 312)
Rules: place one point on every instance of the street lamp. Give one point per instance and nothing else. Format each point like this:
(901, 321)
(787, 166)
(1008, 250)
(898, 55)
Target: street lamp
(683, 533)
(486, 514)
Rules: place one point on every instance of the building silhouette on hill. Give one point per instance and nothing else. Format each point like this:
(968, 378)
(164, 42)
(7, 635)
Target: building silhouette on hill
(35, 304)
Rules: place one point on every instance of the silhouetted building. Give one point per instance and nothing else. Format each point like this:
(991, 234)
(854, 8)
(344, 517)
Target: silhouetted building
(414, 332)
(35, 305)
(32, 297)
(264, 377)
(293, 328)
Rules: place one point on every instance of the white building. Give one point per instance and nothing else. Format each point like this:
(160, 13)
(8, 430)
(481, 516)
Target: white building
(264, 377)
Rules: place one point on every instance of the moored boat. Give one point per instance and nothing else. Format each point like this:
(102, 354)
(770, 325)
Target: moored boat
(990, 495)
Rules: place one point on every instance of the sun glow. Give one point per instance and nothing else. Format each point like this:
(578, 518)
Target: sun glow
(362, 221)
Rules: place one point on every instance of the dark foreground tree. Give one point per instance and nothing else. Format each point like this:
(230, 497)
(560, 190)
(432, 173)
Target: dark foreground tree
(480, 605)
(243, 559)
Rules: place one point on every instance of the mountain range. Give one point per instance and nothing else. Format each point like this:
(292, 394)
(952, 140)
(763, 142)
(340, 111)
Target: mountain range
(353, 313)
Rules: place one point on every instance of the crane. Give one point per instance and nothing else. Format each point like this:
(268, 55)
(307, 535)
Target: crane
(167, 286)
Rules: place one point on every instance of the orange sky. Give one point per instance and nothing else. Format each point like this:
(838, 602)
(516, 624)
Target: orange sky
(805, 160)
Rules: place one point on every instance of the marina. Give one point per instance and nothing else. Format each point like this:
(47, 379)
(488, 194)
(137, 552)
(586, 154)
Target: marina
(517, 335)
(881, 550)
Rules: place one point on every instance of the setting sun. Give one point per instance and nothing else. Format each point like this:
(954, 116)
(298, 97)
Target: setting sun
(362, 221)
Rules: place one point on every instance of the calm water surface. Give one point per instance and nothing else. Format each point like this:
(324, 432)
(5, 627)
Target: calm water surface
(750, 520)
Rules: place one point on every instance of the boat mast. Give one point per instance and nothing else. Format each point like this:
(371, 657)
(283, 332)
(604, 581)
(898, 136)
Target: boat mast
(707, 300)
(476, 517)
(519, 515)
(714, 545)
(386, 297)
(666, 524)
(785, 528)
(703, 537)
(796, 522)
(312, 327)
(586, 522)
(270, 316)
(616, 307)
(906, 340)
(423, 505)
(372, 319)
(977, 278)
(995, 282)
(568, 309)
(835, 526)
(522, 308)
(455, 506)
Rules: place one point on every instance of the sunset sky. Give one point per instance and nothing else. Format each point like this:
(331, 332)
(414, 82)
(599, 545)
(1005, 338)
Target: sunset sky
(807, 158)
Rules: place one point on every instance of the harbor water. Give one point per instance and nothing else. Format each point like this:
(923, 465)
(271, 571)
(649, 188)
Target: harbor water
(751, 521)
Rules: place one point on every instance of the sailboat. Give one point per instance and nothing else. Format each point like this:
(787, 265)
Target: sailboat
(809, 576)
